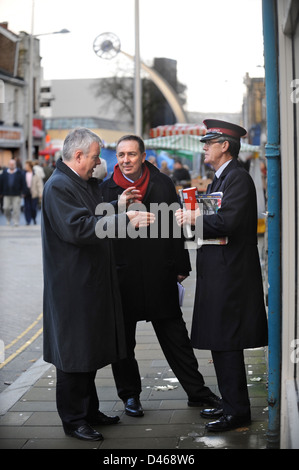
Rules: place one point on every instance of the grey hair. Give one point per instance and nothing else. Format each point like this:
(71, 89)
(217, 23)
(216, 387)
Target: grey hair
(79, 139)
(234, 145)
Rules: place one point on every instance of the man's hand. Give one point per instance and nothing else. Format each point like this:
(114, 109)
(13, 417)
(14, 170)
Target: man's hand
(129, 196)
(140, 218)
(184, 217)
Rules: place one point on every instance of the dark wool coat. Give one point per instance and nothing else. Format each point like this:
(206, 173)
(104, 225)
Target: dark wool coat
(229, 311)
(83, 322)
(148, 267)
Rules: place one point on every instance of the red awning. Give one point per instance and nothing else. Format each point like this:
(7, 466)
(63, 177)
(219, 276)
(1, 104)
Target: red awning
(178, 129)
(49, 150)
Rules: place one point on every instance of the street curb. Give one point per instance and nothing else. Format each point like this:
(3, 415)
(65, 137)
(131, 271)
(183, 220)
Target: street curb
(20, 386)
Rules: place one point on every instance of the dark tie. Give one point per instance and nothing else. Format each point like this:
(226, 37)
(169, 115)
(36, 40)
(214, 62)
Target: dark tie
(214, 182)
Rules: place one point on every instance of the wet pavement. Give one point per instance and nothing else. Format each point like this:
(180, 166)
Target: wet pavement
(28, 416)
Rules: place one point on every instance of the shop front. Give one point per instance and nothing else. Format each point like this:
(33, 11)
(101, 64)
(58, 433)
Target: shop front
(11, 144)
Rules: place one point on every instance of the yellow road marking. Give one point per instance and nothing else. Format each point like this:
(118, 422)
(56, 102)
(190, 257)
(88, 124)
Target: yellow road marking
(26, 344)
(24, 332)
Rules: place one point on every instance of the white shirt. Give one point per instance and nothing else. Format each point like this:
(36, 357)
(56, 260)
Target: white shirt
(74, 171)
(220, 170)
(131, 181)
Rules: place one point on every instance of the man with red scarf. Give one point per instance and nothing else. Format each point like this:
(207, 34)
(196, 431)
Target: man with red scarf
(148, 271)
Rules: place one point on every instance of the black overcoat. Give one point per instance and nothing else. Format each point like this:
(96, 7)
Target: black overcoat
(148, 267)
(229, 311)
(83, 321)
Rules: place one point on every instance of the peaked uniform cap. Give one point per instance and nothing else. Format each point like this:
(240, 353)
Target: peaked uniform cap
(217, 128)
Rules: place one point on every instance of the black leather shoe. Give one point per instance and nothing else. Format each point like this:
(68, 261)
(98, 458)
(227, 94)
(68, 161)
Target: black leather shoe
(133, 407)
(211, 413)
(84, 432)
(228, 422)
(211, 401)
(102, 419)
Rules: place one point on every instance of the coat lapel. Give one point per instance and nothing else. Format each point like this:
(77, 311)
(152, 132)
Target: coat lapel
(217, 185)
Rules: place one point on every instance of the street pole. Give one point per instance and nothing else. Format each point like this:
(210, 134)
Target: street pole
(137, 78)
(30, 80)
(30, 88)
(273, 156)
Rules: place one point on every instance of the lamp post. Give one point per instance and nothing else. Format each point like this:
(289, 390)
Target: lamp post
(30, 87)
(30, 80)
(107, 46)
(137, 78)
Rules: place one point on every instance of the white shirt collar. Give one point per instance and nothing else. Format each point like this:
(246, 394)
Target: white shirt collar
(131, 181)
(74, 171)
(220, 170)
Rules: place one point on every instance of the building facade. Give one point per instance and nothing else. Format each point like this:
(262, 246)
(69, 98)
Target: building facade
(20, 75)
(288, 65)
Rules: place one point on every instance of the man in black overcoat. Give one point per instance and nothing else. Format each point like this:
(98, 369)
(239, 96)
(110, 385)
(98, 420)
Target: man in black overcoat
(148, 271)
(229, 312)
(83, 320)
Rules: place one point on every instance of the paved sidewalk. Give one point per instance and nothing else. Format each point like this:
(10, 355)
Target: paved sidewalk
(30, 421)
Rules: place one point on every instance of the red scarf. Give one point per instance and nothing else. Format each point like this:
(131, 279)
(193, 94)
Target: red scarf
(140, 184)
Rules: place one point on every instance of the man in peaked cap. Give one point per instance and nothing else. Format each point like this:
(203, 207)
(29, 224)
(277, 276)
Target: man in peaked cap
(229, 312)
(217, 128)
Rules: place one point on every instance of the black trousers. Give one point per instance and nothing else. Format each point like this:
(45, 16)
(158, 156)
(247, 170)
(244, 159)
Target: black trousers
(76, 397)
(173, 337)
(232, 382)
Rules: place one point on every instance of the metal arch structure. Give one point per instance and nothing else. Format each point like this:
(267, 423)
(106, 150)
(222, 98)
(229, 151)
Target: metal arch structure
(107, 46)
(168, 92)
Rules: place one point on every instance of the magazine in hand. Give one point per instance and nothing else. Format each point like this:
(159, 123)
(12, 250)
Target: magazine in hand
(210, 205)
(181, 292)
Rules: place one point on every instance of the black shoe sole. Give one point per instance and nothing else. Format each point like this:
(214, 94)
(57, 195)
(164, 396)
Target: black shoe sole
(139, 414)
(211, 415)
(224, 428)
(82, 438)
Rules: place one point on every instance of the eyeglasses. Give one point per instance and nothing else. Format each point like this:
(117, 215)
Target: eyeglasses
(209, 143)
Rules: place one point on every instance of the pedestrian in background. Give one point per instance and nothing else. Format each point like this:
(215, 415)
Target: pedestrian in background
(100, 171)
(34, 192)
(48, 170)
(38, 169)
(229, 311)
(148, 271)
(83, 321)
(12, 188)
(164, 168)
(180, 175)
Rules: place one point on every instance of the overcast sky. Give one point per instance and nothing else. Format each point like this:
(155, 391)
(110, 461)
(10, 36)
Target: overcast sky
(214, 42)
